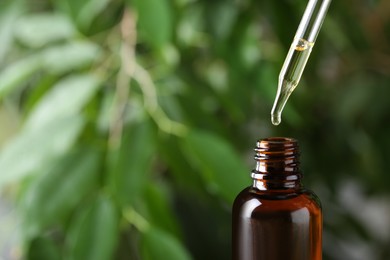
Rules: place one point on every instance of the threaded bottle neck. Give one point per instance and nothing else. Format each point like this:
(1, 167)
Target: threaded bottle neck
(277, 164)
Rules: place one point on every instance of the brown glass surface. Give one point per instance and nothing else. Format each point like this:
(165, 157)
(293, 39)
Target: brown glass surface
(284, 226)
(276, 218)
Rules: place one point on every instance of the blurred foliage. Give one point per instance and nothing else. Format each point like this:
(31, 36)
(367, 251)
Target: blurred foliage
(127, 126)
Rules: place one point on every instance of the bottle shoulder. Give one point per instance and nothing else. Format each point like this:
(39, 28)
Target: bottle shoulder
(277, 200)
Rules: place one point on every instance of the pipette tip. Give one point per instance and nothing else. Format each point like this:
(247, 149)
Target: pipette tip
(276, 119)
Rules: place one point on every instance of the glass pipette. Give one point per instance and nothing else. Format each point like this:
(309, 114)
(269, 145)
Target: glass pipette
(298, 54)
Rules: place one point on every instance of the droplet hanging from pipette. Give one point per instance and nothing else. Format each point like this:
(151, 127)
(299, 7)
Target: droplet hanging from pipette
(276, 118)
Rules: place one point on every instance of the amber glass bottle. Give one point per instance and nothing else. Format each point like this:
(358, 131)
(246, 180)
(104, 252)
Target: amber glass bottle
(276, 218)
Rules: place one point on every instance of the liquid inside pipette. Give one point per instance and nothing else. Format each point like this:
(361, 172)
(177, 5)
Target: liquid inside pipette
(290, 75)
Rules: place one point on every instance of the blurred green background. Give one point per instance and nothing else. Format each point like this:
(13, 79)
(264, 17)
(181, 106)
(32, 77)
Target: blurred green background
(127, 127)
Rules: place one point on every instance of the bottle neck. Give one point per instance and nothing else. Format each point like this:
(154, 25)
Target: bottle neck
(277, 164)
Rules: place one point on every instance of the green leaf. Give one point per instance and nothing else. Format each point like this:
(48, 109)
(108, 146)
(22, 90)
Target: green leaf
(171, 153)
(51, 128)
(8, 15)
(42, 248)
(70, 7)
(94, 233)
(159, 245)
(67, 182)
(154, 20)
(73, 55)
(223, 16)
(37, 30)
(159, 211)
(90, 10)
(31, 151)
(44, 84)
(64, 100)
(12, 76)
(84, 13)
(131, 169)
(105, 112)
(191, 25)
(219, 164)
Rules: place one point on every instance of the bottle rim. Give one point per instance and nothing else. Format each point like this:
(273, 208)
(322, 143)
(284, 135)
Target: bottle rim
(277, 142)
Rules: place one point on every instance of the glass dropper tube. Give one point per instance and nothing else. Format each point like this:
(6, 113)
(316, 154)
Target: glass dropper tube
(298, 54)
